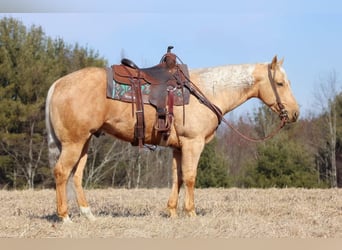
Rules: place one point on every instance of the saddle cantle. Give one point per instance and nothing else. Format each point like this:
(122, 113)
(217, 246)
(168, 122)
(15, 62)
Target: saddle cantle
(162, 86)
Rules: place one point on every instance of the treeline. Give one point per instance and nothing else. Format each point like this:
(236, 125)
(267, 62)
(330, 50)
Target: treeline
(305, 154)
(29, 63)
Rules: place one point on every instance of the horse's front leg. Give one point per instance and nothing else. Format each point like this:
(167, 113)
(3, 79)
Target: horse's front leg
(177, 182)
(191, 152)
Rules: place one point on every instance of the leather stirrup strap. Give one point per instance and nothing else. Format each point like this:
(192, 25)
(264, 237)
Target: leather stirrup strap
(139, 128)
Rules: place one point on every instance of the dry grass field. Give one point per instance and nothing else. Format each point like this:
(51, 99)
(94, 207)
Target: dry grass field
(222, 213)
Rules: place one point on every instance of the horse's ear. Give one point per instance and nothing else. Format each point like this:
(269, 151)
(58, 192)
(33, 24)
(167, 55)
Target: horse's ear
(274, 62)
(281, 62)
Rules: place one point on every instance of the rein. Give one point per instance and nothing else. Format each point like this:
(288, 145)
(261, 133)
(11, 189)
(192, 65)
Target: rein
(202, 98)
(281, 125)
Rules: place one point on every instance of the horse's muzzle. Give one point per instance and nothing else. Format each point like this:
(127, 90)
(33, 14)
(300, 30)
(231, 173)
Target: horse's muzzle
(284, 115)
(289, 116)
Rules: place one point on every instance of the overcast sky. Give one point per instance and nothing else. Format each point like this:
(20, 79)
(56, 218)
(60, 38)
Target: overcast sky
(307, 34)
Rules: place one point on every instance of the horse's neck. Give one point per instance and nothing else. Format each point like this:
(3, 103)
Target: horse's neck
(226, 86)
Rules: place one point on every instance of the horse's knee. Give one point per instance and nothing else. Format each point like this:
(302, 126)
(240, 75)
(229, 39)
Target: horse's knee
(60, 175)
(189, 180)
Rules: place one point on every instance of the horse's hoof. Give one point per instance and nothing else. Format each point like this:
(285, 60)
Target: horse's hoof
(66, 220)
(87, 213)
(191, 214)
(172, 213)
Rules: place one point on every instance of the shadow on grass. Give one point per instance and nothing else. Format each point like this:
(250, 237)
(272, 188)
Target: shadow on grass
(124, 212)
(120, 212)
(53, 218)
(144, 212)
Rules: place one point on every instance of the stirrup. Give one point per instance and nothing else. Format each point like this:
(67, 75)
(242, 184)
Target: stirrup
(163, 125)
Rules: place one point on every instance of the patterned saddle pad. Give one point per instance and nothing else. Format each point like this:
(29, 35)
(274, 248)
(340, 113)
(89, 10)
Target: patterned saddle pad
(124, 92)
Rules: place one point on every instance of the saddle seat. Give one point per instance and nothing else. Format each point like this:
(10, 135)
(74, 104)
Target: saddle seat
(162, 79)
(157, 74)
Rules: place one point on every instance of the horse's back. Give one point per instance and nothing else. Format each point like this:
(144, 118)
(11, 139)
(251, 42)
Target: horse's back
(81, 79)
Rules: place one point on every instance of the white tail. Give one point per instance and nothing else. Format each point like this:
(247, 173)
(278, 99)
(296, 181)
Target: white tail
(54, 145)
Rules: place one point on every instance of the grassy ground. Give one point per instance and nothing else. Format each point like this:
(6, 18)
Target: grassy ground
(222, 213)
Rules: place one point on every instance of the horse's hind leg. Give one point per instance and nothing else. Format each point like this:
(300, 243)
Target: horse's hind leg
(67, 161)
(77, 178)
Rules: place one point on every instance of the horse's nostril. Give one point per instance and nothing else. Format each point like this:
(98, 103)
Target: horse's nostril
(295, 115)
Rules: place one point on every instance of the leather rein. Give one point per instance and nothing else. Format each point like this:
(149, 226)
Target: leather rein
(283, 115)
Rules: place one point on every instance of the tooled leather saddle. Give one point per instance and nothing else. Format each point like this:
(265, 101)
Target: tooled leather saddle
(162, 86)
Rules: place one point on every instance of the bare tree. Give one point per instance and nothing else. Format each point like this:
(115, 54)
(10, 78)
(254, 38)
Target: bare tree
(104, 159)
(326, 100)
(112, 162)
(26, 157)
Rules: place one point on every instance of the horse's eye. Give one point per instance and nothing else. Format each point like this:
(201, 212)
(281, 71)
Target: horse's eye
(280, 83)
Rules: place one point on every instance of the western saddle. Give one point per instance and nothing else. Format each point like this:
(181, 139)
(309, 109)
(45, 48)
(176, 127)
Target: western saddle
(163, 79)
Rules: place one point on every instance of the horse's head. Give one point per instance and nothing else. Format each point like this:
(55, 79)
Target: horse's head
(275, 91)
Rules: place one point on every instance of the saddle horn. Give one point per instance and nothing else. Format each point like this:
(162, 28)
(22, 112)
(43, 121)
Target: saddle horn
(169, 48)
(169, 58)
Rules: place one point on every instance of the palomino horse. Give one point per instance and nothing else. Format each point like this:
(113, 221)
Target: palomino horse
(77, 107)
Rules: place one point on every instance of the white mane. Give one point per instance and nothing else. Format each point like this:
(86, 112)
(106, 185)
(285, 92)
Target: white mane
(228, 76)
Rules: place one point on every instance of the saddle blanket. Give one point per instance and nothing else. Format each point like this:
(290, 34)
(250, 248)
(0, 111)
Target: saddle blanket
(124, 92)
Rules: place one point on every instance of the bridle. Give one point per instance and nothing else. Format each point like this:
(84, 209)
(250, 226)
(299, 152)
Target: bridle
(283, 113)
